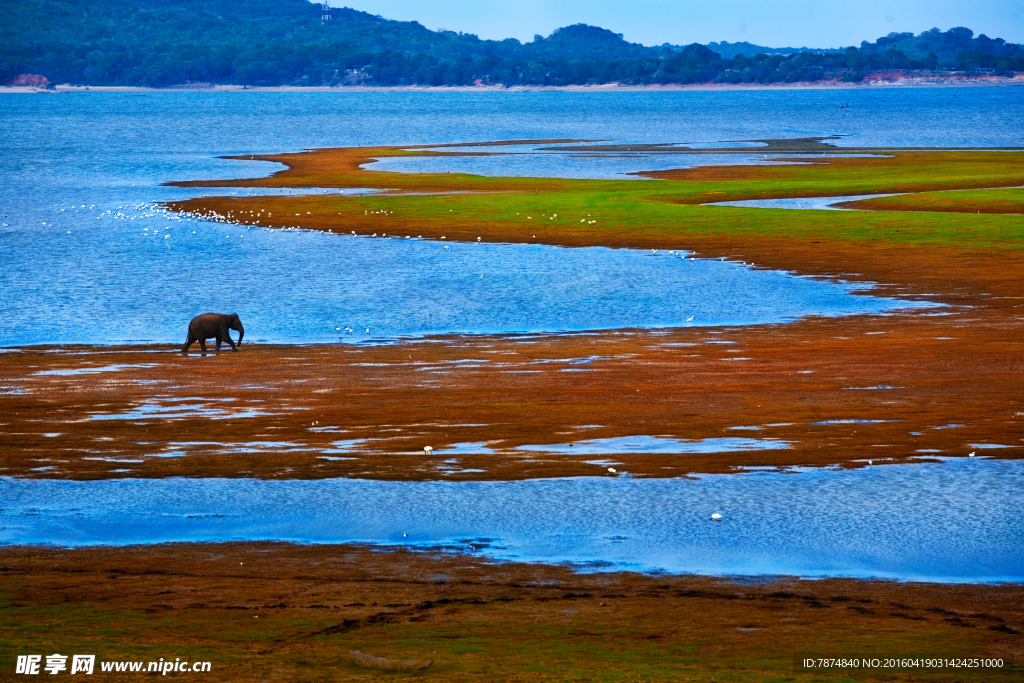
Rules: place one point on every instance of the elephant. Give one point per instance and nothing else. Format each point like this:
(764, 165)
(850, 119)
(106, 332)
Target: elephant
(215, 325)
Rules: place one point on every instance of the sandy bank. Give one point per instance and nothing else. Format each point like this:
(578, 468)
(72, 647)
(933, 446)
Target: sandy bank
(887, 82)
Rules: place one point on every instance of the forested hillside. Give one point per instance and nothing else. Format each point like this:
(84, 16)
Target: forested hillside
(729, 50)
(277, 42)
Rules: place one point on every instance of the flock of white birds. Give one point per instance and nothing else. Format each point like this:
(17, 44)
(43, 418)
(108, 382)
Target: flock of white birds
(256, 218)
(259, 219)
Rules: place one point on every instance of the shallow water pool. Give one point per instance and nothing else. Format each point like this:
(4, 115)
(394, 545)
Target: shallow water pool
(959, 520)
(806, 203)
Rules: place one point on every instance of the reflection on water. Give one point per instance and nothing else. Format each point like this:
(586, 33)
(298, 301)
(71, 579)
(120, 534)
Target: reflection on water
(957, 520)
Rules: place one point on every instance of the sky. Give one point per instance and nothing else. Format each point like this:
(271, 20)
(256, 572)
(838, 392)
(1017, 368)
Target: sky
(772, 23)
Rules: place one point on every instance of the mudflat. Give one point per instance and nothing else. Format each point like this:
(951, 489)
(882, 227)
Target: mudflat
(838, 391)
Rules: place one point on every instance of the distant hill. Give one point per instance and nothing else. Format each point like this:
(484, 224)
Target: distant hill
(955, 48)
(729, 50)
(276, 42)
(581, 41)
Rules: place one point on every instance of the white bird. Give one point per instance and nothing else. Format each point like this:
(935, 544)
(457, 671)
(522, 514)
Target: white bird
(428, 449)
(613, 470)
(871, 462)
(689, 319)
(716, 517)
(367, 329)
(971, 455)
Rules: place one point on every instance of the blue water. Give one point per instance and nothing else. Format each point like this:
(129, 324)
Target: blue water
(116, 282)
(960, 520)
(107, 282)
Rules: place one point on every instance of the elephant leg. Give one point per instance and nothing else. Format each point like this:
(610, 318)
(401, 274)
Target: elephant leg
(219, 341)
(188, 342)
(228, 340)
(202, 345)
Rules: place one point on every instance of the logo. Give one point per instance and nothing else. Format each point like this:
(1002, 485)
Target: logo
(31, 664)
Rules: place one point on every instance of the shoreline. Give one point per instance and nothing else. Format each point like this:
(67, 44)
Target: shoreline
(455, 551)
(698, 87)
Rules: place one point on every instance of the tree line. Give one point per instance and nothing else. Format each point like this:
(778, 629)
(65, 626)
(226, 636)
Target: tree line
(283, 42)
